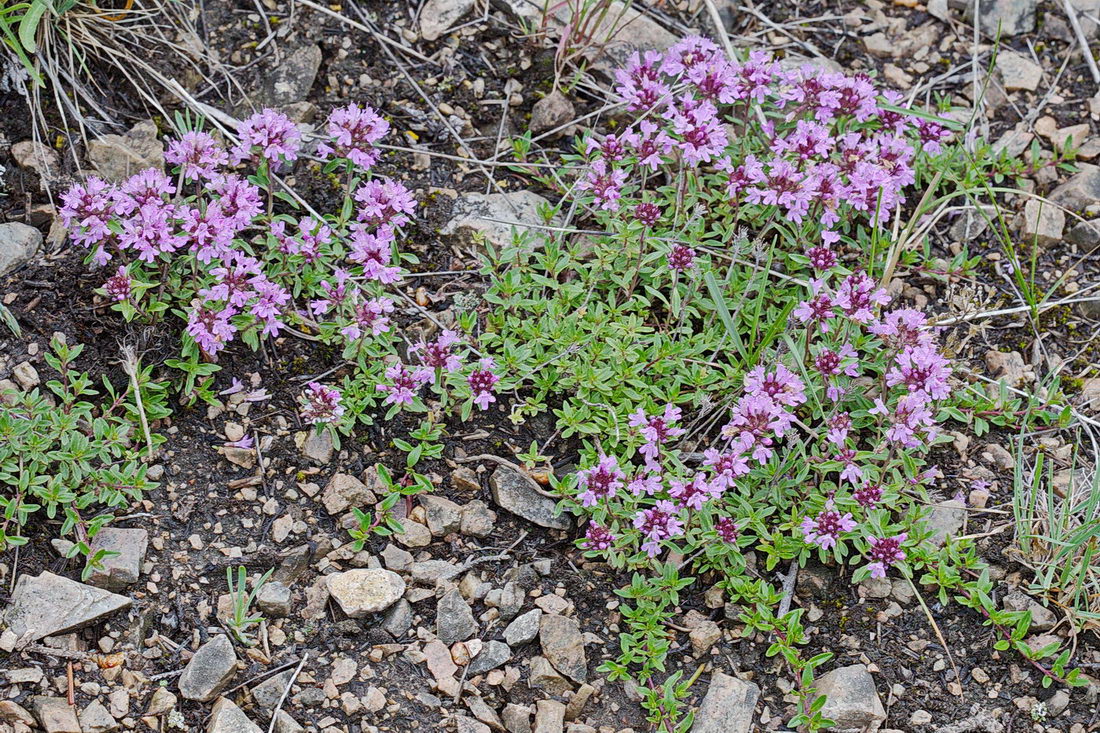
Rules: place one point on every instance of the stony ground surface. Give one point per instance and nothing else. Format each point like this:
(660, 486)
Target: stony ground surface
(481, 616)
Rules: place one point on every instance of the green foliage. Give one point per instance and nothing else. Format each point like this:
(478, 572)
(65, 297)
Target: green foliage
(69, 459)
(240, 622)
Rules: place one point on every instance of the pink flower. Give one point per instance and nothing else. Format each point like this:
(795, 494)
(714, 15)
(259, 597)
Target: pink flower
(597, 537)
(354, 131)
(658, 523)
(868, 496)
(694, 493)
(267, 135)
(320, 404)
(86, 209)
(656, 430)
(369, 317)
(921, 369)
(438, 354)
(481, 381)
(604, 183)
(384, 202)
(403, 384)
(857, 295)
(885, 552)
(601, 481)
(211, 329)
(681, 258)
(727, 530)
(118, 286)
(825, 529)
(198, 155)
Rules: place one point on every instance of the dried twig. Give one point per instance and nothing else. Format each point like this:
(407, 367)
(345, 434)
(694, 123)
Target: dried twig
(286, 690)
(1071, 14)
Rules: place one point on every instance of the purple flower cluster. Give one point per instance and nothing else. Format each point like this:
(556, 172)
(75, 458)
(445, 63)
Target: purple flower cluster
(829, 145)
(482, 381)
(825, 529)
(320, 405)
(268, 135)
(354, 131)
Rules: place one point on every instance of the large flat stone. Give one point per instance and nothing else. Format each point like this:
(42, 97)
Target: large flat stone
(728, 706)
(48, 604)
(512, 492)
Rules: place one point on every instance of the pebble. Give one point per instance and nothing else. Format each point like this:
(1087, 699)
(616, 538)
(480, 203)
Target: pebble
(209, 671)
(563, 646)
(852, 700)
(727, 707)
(362, 592)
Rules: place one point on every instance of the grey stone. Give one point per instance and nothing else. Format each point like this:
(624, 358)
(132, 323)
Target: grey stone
(851, 699)
(483, 214)
(511, 600)
(274, 599)
(226, 717)
(551, 112)
(727, 707)
(477, 519)
(466, 724)
(161, 702)
(1019, 72)
(1085, 234)
(543, 676)
(396, 559)
(117, 157)
(286, 724)
(443, 516)
(517, 718)
(524, 629)
(454, 621)
(49, 604)
(362, 592)
(1004, 17)
(549, 716)
(563, 646)
(945, 520)
(97, 719)
(1042, 222)
(398, 619)
(55, 715)
(494, 654)
(266, 694)
(18, 244)
(38, 157)
(1081, 190)
(124, 568)
(316, 446)
(1042, 618)
(344, 492)
(512, 492)
(291, 81)
(209, 671)
(27, 376)
(438, 16)
(428, 572)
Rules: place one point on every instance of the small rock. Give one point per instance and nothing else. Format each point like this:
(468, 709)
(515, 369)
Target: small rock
(209, 671)
(27, 376)
(48, 605)
(365, 591)
(344, 492)
(512, 492)
(117, 157)
(995, 454)
(396, 559)
(161, 702)
(466, 724)
(18, 244)
(946, 520)
(1008, 366)
(543, 676)
(477, 520)
(1042, 222)
(550, 112)
(549, 716)
(704, 636)
(398, 619)
(284, 723)
(96, 719)
(875, 588)
(524, 628)
(851, 698)
(454, 621)
(517, 718)
(1081, 190)
(980, 675)
(290, 82)
(1004, 17)
(123, 569)
(1042, 619)
(728, 706)
(55, 715)
(274, 599)
(226, 717)
(465, 479)
(437, 16)
(414, 534)
(266, 694)
(920, 717)
(481, 214)
(16, 713)
(563, 646)
(442, 515)
(494, 654)
(38, 157)
(1019, 72)
(316, 446)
